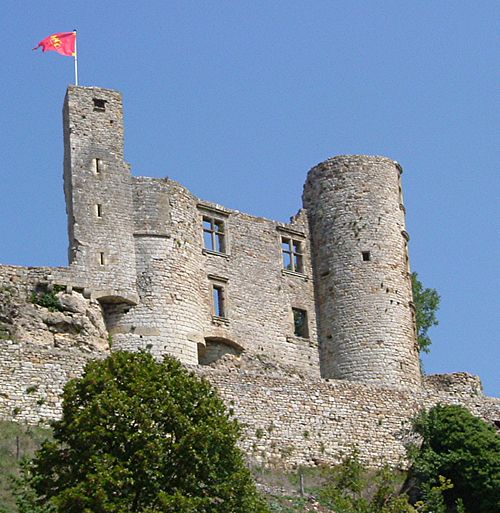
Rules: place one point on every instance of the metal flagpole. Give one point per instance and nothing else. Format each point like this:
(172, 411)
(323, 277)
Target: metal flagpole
(76, 61)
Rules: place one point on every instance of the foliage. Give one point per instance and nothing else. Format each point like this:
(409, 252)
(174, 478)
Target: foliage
(347, 490)
(426, 305)
(142, 436)
(433, 496)
(47, 300)
(462, 449)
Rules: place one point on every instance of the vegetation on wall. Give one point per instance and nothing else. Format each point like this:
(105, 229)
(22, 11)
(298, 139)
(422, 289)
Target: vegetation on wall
(426, 303)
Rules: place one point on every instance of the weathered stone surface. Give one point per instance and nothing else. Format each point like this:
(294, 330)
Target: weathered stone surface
(78, 323)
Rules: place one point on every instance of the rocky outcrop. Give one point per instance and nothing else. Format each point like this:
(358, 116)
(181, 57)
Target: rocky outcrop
(33, 310)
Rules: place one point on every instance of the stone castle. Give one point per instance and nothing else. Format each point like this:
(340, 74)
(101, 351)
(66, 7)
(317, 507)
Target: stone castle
(307, 328)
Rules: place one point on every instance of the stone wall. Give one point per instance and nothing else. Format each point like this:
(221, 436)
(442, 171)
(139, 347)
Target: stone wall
(32, 378)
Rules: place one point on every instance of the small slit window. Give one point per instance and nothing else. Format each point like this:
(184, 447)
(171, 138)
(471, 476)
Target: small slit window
(292, 254)
(214, 234)
(102, 260)
(98, 210)
(97, 165)
(218, 300)
(300, 325)
(99, 105)
(366, 256)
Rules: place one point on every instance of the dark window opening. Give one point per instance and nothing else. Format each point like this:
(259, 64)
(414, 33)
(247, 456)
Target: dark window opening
(101, 258)
(218, 301)
(213, 234)
(99, 105)
(99, 210)
(300, 327)
(291, 251)
(97, 166)
(366, 256)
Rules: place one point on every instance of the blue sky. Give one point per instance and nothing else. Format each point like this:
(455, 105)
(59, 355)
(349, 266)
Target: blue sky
(238, 100)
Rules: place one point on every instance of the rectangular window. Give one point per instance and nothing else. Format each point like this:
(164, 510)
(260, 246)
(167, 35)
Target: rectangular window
(300, 327)
(97, 165)
(102, 260)
(99, 105)
(291, 250)
(98, 210)
(213, 234)
(218, 300)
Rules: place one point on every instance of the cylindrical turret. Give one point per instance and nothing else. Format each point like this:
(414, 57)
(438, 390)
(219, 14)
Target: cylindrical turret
(362, 281)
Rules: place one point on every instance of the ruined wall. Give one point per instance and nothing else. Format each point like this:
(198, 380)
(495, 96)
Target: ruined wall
(292, 420)
(46, 337)
(362, 278)
(260, 292)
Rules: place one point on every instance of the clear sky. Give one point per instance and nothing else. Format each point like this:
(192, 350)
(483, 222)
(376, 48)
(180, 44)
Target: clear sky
(237, 100)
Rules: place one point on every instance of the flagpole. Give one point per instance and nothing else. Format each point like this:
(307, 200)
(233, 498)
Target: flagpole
(76, 61)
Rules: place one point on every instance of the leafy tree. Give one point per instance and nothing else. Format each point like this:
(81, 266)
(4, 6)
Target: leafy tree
(461, 449)
(426, 304)
(138, 435)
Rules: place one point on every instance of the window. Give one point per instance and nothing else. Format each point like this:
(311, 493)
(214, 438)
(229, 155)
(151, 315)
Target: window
(213, 234)
(98, 210)
(300, 327)
(102, 260)
(218, 300)
(99, 105)
(291, 250)
(97, 165)
(366, 256)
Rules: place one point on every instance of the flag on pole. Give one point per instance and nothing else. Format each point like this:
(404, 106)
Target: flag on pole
(63, 43)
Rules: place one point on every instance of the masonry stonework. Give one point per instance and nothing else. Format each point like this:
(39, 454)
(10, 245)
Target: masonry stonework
(306, 328)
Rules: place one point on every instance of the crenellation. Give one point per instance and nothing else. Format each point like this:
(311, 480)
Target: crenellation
(306, 328)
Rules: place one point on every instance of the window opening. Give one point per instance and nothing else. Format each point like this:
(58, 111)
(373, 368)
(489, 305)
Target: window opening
(99, 105)
(98, 209)
(213, 234)
(291, 250)
(366, 256)
(101, 258)
(97, 166)
(218, 300)
(300, 328)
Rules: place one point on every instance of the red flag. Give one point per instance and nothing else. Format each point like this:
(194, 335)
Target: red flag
(63, 43)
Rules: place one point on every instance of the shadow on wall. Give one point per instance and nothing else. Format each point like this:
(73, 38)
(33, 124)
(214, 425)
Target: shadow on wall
(215, 348)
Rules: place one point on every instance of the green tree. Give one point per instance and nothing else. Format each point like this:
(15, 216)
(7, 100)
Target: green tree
(138, 435)
(426, 303)
(463, 450)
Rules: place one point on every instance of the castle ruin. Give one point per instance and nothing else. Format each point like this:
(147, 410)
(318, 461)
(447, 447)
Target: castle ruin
(307, 328)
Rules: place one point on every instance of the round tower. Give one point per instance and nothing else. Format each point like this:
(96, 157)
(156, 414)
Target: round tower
(361, 271)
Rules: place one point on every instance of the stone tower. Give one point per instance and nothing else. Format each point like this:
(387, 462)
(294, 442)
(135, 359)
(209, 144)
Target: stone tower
(98, 195)
(361, 271)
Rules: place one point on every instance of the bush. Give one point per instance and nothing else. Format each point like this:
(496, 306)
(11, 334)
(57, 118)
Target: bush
(464, 450)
